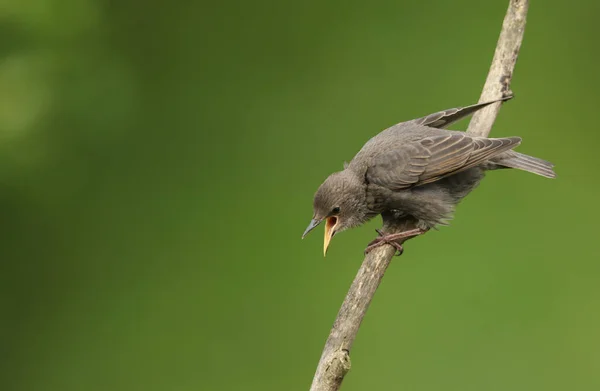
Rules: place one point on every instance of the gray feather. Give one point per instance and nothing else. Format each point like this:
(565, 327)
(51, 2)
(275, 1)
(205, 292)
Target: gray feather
(513, 159)
(445, 118)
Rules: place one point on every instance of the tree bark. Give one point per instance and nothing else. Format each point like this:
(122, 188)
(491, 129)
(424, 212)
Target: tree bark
(335, 359)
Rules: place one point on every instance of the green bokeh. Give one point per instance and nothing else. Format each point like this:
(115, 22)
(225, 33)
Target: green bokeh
(157, 167)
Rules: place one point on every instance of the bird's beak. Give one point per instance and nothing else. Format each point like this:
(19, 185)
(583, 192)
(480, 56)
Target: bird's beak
(311, 226)
(329, 232)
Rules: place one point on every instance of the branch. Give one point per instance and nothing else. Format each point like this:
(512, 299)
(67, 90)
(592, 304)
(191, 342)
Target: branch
(497, 84)
(335, 359)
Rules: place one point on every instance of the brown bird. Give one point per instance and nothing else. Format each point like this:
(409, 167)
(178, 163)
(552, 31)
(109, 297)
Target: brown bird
(418, 170)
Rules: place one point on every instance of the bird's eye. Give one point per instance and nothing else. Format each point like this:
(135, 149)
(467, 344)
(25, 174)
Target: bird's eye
(335, 210)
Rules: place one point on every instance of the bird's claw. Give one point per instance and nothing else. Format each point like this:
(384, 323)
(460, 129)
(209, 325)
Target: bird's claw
(391, 240)
(382, 239)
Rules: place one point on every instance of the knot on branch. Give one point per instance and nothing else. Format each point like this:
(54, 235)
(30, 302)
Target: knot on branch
(338, 365)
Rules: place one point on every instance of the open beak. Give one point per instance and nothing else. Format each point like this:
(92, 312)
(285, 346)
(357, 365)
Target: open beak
(329, 232)
(330, 225)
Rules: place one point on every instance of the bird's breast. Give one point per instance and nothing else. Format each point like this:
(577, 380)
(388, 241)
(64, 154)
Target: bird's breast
(378, 198)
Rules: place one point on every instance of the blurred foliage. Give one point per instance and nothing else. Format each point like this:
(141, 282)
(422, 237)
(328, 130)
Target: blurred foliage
(157, 167)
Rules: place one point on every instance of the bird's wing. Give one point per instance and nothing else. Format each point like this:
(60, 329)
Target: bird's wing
(445, 118)
(429, 159)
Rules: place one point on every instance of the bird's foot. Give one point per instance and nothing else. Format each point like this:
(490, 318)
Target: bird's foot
(391, 239)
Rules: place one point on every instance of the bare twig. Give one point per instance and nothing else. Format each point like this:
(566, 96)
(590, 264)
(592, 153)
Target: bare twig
(497, 84)
(335, 359)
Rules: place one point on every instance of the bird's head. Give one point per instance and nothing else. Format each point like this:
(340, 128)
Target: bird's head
(341, 202)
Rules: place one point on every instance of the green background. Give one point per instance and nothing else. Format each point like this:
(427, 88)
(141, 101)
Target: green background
(157, 167)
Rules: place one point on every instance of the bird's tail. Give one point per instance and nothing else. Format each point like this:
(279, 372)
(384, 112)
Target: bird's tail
(512, 159)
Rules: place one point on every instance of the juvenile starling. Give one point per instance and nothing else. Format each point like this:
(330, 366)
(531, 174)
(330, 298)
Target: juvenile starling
(417, 170)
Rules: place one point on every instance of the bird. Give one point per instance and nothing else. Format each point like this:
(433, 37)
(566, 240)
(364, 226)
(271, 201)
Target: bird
(415, 170)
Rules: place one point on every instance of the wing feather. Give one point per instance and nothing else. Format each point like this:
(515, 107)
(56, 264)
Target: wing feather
(432, 158)
(445, 118)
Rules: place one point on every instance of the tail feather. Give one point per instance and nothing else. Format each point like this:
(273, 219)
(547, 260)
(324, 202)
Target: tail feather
(524, 162)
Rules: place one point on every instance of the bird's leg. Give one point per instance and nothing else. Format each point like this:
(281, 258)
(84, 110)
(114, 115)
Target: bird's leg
(391, 239)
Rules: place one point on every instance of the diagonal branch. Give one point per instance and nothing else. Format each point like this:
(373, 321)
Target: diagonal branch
(335, 359)
(497, 84)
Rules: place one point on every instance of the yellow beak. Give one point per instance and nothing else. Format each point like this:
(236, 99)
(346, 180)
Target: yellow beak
(329, 231)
